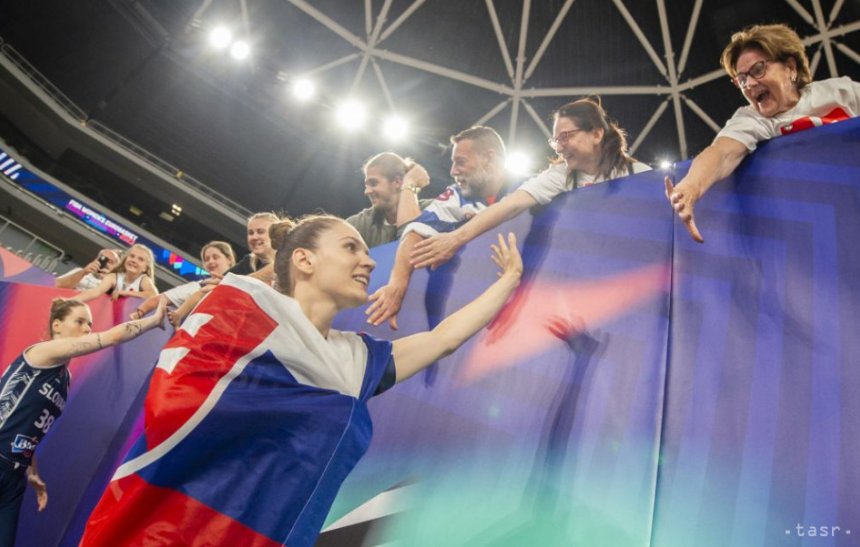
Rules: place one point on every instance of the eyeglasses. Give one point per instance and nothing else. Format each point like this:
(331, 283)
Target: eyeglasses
(562, 137)
(757, 71)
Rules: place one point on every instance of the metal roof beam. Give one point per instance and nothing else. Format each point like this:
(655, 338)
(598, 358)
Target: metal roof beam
(500, 38)
(400, 20)
(442, 71)
(641, 37)
(562, 13)
(650, 125)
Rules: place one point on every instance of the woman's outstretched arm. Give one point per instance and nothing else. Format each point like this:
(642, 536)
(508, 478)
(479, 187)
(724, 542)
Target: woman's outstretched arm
(58, 350)
(414, 353)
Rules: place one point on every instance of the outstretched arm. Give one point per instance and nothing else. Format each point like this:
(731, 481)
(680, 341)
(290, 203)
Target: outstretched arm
(58, 350)
(147, 289)
(102, 288)
(386, 301)
(414, 353)
(441, 248)
(716, 162)
(146, 306)
(71, 280)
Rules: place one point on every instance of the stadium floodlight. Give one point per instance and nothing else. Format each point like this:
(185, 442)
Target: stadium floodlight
(395, 128)
(665, 165)
(240, 50)
(518, 162)
(220, 37)
(351, 115)
(304, 89)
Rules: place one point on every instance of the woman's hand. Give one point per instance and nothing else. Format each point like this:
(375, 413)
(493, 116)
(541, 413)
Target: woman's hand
(682, 198)
(39, 486)
(507, 258)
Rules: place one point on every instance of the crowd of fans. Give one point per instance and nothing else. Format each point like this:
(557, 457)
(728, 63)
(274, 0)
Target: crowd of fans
(323, 262)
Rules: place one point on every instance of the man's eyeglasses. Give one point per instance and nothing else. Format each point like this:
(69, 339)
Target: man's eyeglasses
(562, 137)
(757, 71)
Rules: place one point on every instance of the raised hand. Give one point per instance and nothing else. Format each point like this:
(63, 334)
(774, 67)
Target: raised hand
(507, 257)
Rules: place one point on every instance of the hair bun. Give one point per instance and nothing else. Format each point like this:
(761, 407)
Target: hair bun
(278, 232)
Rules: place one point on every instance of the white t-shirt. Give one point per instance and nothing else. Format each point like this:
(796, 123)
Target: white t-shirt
(178, 295)
(554, 181)
(88, 281)
(820, 103)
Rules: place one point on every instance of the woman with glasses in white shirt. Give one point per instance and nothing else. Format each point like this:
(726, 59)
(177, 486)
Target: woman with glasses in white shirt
(591, 149)
(768, 64)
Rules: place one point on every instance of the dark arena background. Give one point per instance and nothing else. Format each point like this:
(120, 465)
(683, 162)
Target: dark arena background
(709, 393)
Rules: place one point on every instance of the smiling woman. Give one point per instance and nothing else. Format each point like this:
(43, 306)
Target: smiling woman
(768, 64)
(259, 244)
(590, 147)
(33, 394)
(308, 382)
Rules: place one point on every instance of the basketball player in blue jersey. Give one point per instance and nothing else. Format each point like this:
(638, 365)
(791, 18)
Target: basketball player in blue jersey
(33, 394)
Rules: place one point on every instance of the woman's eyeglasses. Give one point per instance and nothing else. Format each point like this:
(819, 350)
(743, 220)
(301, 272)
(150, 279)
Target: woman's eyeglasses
(757, 71)
(562, 137)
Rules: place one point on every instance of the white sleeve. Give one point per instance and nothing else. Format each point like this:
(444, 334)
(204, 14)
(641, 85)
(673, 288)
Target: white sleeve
(748, 128)
(178, 295)
(849, 94)
(548, 184)
(444, 214)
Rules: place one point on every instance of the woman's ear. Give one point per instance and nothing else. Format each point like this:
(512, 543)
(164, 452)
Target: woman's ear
(303, 260)
(55, 327)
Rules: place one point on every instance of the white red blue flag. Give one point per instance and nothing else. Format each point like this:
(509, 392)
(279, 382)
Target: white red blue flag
(252, 421)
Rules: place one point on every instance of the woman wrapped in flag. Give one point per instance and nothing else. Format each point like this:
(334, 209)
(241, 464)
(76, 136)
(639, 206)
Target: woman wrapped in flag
(257, 408)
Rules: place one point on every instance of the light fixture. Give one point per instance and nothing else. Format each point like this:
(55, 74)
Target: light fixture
(351, 115)
(518, 162)
(220, 37)
(240, 50)
(304, 89)
(395, 128)
(665, 165)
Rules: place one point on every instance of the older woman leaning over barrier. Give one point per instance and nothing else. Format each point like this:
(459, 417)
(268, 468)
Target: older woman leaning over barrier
(769, 66)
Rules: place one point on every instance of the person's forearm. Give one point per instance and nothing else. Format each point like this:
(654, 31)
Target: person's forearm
(413, 353)
(189, 304)
(495, 214)
(148, 305)
(126, 331)
(71, 280)
(465, 322)
(407, 207)
(716, 162)
(401, 272)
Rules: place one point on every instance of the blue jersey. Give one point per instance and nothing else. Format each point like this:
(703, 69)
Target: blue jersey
(31, 399)
(450, 210)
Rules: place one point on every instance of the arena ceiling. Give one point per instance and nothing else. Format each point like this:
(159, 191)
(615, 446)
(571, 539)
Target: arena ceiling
(145, 69)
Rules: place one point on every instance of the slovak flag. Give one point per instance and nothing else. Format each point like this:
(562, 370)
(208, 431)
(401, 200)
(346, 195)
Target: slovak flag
(252, 421)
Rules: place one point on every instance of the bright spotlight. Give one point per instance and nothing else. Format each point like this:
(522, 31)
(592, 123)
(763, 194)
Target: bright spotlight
(395, 128)
(518, 163)
(304, 89)
(351, 115)
(240, 50)
(665, 165)
(220, 37)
